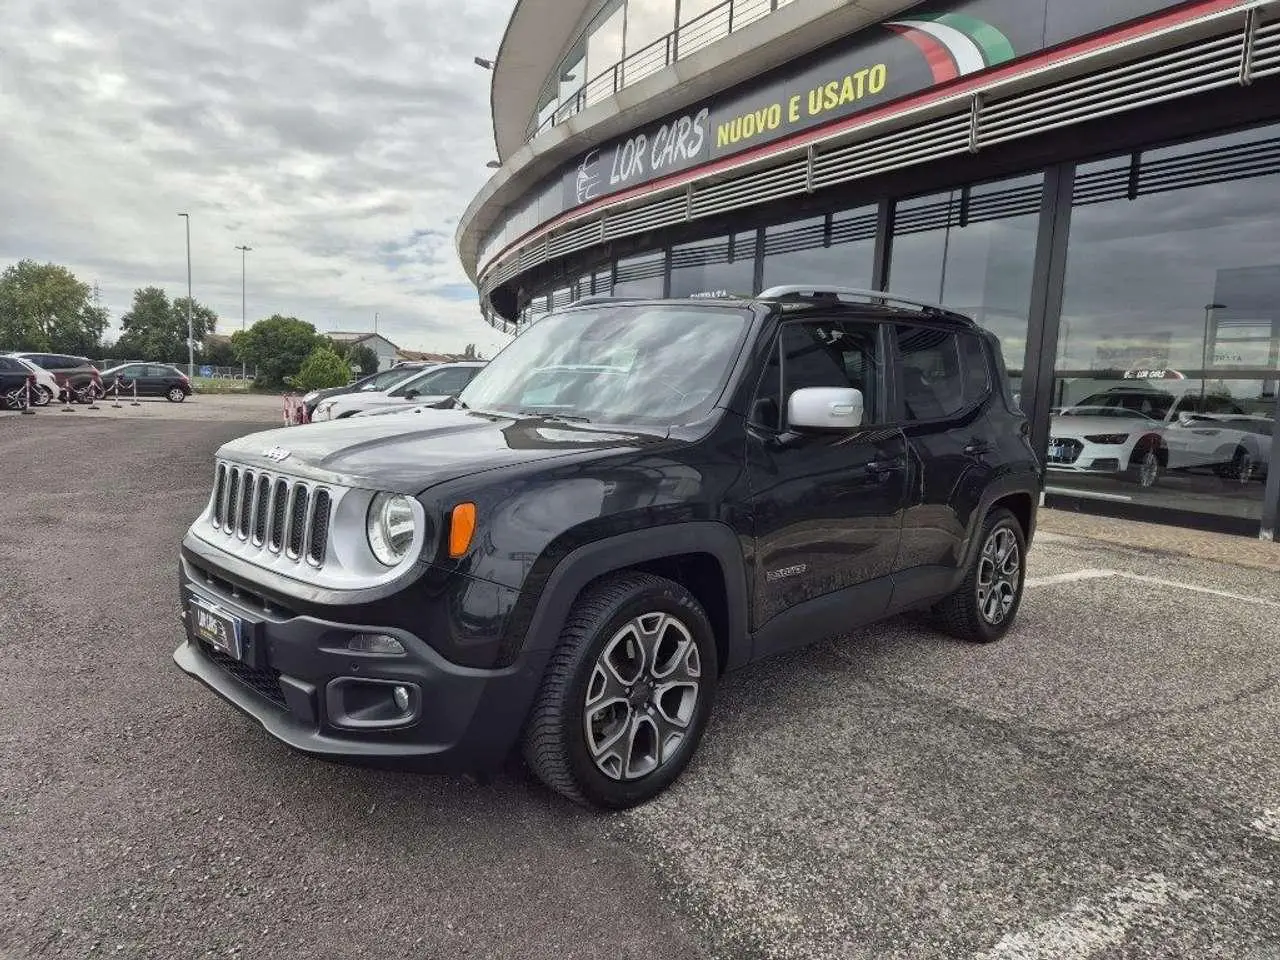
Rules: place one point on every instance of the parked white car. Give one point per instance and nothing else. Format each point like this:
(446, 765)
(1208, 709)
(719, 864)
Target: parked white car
(46, 383)
(1142, 431)
(438, 383)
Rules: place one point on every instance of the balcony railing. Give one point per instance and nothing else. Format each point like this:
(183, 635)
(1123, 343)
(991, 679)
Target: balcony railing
(687, 39)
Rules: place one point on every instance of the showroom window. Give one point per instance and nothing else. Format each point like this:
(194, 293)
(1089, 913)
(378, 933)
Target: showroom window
(640, 276)
(724, 265)
(973, 249)
(836, 249)
(1168, 353)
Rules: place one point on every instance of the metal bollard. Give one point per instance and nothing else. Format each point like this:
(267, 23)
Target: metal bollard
(115, 395)
(29, 410)
(93, 397)
(66, 398)
(135, 394)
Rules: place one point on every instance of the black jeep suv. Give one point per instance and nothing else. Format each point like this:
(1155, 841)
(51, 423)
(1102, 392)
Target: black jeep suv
(633, 498)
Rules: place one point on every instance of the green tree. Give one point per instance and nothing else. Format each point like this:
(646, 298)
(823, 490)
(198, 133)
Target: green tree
(155, 328)
(277, 346)
(364, 359)
(321, 370)
(218, 352)
(44, 307)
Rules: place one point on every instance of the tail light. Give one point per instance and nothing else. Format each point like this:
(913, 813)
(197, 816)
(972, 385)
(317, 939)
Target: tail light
(185, 379)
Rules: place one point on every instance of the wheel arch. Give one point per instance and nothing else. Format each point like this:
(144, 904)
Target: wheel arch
(703, 556)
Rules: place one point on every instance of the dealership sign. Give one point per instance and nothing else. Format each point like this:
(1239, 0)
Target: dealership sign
(936, 44)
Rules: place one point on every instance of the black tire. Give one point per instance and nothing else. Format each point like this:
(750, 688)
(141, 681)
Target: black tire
(1147, 465)
(556, 736)
(962, 614)
(1243, 467)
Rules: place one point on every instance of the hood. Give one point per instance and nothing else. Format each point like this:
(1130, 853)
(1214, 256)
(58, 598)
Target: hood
(1074, 426)
(423, 447)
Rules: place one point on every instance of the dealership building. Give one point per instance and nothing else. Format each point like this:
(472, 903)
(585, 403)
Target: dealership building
(1095, 181)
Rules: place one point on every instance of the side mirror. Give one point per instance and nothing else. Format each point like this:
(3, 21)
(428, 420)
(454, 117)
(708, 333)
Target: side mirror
(410, 394)
(825, 408)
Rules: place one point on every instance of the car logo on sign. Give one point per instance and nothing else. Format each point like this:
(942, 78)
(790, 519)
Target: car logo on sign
(277, 454)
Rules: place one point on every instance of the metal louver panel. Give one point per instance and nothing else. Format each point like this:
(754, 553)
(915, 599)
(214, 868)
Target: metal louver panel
(248, 487)
(279, 504)
(322, 505)
(1235, 57)
(1211, 64)
(298, 514)
(232, 504)
(261, 504)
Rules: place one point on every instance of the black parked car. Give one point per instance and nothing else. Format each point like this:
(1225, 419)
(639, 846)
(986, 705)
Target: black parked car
(17, 385)
(78, 378)
(152, 380)
(632, 499)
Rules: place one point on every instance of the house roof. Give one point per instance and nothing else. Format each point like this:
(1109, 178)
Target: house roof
(349, 336)
(420, 357)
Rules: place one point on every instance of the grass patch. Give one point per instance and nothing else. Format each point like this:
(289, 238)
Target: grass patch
(222, 385)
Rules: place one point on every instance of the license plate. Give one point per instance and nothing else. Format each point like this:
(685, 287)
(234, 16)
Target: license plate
(216, 627)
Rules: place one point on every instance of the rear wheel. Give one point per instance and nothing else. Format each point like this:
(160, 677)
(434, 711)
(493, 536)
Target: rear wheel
(16, 399)
(984, 607)
(627, 694)
(41, 397)
(176, 395)
(1242, 467)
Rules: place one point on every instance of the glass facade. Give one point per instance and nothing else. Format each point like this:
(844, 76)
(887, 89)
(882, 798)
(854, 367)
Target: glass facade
(821, 249)
(973, 249)
(1170, 331)
(1167, 345)
(724, 265)
(639, 38)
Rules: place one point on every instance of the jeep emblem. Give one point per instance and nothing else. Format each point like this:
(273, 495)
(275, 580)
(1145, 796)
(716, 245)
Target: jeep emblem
(277, 454)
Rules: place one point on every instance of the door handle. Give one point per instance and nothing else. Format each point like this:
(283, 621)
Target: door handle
(884, 466)
(977, 448)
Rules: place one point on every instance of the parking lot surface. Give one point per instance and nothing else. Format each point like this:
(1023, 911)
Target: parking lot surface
(1104, 783)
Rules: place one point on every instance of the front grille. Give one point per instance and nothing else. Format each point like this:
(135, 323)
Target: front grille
(1064, 451)
(265, 682)
(272, 513)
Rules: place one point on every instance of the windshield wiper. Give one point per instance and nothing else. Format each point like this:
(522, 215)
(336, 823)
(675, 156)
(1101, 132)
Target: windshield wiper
(552, 415)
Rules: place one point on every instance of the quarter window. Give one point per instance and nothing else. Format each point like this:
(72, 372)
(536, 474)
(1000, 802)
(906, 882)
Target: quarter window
(942, 372)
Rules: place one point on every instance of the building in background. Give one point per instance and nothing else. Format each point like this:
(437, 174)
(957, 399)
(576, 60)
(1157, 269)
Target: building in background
(386, 351)
(1097, 181)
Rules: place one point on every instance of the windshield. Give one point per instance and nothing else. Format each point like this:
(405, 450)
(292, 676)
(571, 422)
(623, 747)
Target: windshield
(1118, 413)
(387, 379)
(1154, 404)
(663, 364)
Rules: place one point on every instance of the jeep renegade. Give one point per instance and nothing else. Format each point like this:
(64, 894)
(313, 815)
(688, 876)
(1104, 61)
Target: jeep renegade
(632, 499)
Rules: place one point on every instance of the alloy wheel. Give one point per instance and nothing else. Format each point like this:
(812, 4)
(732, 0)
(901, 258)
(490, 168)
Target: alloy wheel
(999, 575)
(642, 696)
(1242, 467)
(1149, 469)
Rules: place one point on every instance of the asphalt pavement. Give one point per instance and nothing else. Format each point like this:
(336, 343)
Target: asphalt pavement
(1104, 783)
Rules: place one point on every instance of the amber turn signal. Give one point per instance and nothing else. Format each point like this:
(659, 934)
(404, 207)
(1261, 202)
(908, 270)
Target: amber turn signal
(462, 527)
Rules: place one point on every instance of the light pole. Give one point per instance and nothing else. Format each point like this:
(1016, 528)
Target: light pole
(191, 334)
(1204, 350)
(243, 314)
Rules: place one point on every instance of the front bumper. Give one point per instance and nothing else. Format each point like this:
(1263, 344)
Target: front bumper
(464, 719)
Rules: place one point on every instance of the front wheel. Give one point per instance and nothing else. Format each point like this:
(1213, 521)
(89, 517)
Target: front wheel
(42, 397)
(176, 395)
(15, 399)
(983, 608)
(626, 695)
(1146, 466)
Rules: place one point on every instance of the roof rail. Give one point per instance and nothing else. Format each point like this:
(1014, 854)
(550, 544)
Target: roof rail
(878, 296)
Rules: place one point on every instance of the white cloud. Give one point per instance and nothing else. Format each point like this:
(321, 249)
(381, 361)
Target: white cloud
(340, 140)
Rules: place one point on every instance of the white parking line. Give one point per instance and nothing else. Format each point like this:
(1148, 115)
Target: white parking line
(1268, 824)
(1090, 926)
(1095, 573)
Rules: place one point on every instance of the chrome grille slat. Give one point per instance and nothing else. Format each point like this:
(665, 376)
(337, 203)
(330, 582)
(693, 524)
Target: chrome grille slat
(263, 511)
(296, 537)
(244, 516)
(279, 507)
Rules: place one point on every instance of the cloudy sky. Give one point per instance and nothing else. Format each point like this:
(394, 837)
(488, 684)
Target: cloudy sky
(340, 139)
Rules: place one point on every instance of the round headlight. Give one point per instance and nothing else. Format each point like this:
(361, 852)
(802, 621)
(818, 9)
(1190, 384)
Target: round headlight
(391, 528)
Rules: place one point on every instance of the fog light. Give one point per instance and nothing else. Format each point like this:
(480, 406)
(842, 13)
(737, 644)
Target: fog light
(377, 643)
(401, 697)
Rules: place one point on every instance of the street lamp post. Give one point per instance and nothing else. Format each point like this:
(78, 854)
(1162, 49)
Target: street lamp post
(1204, 350)
(191, 335)
(243, 313)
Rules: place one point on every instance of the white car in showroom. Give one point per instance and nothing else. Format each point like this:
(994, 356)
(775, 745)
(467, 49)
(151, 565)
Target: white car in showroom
(47, 386)
(429, 386)
(1142, 431)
